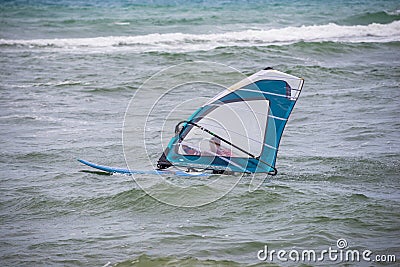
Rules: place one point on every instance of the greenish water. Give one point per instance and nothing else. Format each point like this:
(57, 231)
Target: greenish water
(69, 69)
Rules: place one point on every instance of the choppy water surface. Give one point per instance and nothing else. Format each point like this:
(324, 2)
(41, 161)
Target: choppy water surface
(69, 69)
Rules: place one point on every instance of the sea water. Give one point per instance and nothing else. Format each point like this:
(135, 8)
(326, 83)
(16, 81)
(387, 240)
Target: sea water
(69, 69)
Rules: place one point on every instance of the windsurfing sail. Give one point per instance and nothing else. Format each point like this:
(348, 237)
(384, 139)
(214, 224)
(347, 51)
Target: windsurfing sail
(240, 129)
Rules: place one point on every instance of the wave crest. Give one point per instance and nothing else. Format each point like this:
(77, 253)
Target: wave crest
(181, 42)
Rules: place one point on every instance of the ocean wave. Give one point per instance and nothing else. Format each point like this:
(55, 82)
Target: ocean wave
(367, 18)
(183, 42)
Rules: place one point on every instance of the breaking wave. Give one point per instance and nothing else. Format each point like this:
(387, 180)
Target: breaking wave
(182, 42)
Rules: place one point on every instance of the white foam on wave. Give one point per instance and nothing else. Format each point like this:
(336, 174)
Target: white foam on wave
(180, 42)
(122, 23)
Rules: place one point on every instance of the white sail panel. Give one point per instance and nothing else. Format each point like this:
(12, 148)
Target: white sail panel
(241, 123)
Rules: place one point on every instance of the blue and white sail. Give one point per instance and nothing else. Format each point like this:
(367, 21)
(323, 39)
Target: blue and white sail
(240, 129)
